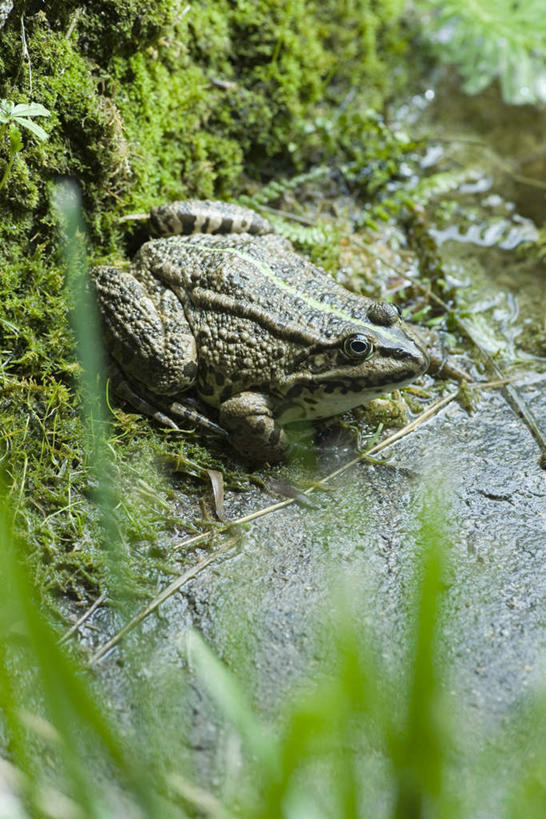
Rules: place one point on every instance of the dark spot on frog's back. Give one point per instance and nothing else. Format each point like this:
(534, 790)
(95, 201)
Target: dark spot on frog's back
(206, 389)
(190, 370)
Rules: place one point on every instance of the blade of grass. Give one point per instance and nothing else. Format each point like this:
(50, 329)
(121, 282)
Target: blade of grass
(86, 327)
(228, 695)
(419, 747)
(58, 682)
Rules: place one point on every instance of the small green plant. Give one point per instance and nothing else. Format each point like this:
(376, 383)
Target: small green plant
(11, 118)
(490, 39)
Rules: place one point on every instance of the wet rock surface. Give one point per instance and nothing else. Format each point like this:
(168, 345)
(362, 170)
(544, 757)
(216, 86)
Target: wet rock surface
(267, 609)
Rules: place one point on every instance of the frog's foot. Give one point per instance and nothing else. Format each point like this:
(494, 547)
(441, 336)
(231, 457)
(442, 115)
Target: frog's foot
(253, 429)
(195, 417)
(201, 216)
(162, 415)
(124, 391)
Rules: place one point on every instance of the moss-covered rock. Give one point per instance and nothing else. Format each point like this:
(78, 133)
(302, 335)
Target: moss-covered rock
(152, 100)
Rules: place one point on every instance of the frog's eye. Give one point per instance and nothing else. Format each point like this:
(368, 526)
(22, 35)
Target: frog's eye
(357, 347)
(398, 309)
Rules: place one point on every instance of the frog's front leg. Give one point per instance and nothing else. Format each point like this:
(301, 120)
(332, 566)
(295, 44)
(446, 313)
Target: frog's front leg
(146, 331)
(253, 429)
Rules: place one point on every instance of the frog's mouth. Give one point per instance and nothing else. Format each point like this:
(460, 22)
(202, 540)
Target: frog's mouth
(333, 397)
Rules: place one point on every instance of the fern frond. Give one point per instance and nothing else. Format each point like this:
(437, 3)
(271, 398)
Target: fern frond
(490, 39)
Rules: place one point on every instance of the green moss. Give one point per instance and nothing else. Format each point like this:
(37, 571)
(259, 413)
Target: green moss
(171, 153)
(149, 102)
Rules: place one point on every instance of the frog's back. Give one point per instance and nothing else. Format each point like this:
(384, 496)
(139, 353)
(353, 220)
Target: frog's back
(260, 272)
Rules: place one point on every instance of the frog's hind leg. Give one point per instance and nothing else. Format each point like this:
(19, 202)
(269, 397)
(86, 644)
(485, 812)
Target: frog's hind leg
(203, 216)
(162, 415)
(146, 330)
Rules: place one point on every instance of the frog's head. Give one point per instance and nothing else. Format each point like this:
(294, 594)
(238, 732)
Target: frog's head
(368, 357)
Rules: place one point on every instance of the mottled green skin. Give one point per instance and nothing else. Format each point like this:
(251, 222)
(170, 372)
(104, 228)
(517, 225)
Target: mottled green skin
(258, 330)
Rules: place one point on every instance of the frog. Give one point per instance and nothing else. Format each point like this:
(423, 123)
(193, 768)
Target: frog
(218, 306)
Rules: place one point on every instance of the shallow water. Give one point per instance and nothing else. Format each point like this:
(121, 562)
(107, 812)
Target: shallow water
(497, 214)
